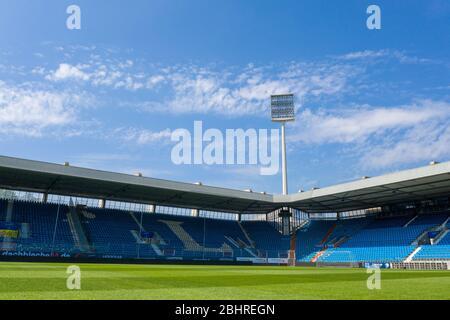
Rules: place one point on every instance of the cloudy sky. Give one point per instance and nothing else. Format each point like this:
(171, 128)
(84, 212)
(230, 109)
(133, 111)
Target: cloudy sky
(109, 95)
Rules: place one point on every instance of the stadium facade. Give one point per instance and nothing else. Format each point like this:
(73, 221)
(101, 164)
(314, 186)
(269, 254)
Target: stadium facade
(51, 211)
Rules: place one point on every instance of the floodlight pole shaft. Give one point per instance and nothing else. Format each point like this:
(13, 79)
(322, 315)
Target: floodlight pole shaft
(283, 159)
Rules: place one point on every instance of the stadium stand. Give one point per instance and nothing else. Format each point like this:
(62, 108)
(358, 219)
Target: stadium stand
(53, 229)
(110, 232)
(435, 252)
(58, 230)
(364, 239)
(268, 241)
(39, 230)
(446, 239)
(310, 237)
(439, 250)
(117, 233)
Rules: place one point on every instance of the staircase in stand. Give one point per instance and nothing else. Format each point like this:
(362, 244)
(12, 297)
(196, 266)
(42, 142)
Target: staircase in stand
(78, 233)
(411, 256)
(410, 221)
(188, 242)
(328, 234)
(250, 241)
(324, 240)
(340, 241)
(318, 254)
(441, 236)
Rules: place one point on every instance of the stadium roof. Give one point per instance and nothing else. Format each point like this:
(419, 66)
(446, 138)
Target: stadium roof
(423, 183)
(410, 185)
(73, 181)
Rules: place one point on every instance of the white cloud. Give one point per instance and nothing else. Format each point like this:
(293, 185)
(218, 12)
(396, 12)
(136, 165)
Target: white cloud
(400, 56)
(102, 76)
(245, 91)
(365, 54)
(29, 112)
(406, 59)
(38, 70)
(422, 144)
(143, 136)
(97, 160)
(262, 90)
(154, 80)
(208, 89)
(68, 72)
(359, 123)
(381, 137)
(98, 73)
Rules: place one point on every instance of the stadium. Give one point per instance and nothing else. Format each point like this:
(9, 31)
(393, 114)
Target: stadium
(144, 149)
(158, 239)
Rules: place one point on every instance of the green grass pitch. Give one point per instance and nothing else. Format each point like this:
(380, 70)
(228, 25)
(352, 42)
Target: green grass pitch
(99, 281)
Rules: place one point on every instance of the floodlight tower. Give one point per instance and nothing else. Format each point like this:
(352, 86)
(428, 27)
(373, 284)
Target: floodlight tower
(283, 110)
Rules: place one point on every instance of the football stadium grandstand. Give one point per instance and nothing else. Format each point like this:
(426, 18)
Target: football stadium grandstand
(56, 212)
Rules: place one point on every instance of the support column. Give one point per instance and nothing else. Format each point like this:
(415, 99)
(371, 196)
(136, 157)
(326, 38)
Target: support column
(9, 210)
(102, 203)
(45, 197)
(285, 215)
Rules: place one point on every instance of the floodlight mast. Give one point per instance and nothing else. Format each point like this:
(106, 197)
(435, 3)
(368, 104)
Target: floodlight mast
(283, 110)
(283, 158)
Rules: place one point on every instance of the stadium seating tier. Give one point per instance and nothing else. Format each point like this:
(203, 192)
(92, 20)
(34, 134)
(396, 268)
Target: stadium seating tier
(62, 229)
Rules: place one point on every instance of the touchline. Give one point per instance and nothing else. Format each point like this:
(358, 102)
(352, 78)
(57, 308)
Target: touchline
(236, 147)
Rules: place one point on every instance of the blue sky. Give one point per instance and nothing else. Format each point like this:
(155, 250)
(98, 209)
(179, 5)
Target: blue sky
(108, 96)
